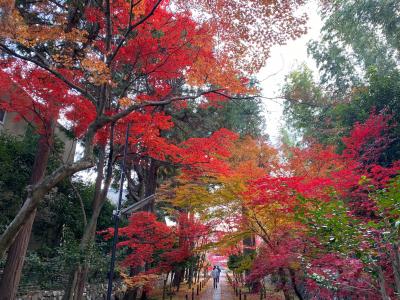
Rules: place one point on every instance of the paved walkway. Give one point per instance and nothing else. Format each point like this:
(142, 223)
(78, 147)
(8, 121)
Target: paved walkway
(223, 292)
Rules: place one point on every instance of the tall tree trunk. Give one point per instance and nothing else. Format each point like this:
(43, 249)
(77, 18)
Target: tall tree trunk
(148, 186)
(75, 288)
(190, 275)
(102, 185)
(249, 244)
(396, 267)
(382, 283)
(80, 281)
(179, 272)
(151, 184)
(202, 259)
(284, 283)
(17, 251)
(75, 292)
(294, 284)
(79, 274)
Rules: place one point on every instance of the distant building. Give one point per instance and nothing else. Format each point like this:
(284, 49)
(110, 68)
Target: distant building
(9, 125)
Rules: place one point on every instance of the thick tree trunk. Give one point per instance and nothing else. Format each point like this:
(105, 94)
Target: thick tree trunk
(178, 277)
(16, 254)
(35, 195)
(382, 283)
(76, 283)
(15, 261)
(80, 282)
(294, 284)
(38, 190)
(396, 267)
(284, 283)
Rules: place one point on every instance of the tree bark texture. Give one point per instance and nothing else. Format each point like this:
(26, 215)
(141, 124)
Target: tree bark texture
(382, 283)
(396, 267)
(17, 251)
(296, 290)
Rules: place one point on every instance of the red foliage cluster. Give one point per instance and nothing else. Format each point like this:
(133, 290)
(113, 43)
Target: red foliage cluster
(352, 174)
(341, 275)
(144, 236)
(152, 243)
(35, 96)
(283, 252)
(319, 174)
(368, 141)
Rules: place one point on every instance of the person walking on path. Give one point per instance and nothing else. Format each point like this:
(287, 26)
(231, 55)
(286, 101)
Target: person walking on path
(219, 273)
(223, 292)
(215, 275)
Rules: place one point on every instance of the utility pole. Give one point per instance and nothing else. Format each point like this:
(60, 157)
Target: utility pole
(117, 215)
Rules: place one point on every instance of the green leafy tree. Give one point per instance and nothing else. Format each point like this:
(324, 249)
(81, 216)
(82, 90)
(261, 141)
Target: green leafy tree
(243, 116)
(59, 222)
(16, 160)
(311, 113)
(356, 35)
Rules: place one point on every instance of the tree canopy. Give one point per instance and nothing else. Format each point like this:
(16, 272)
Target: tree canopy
(160, 98)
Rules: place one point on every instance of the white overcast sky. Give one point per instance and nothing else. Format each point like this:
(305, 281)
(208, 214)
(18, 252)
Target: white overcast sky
(284, 59)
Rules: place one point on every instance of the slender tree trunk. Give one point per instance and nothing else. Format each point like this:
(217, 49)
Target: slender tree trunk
(74, 290)
(80, 272)
(248, 248)
(148, 186)
(201, 262)
(151, 184)
(165, 287)
(190, 275)
(196, 271)
(68, 293)
(16, 254)
(100, 193)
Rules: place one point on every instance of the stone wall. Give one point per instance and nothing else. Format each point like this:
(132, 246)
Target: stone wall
(92, 292)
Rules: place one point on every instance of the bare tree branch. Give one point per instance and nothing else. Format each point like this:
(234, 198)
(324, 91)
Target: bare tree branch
(80, 202)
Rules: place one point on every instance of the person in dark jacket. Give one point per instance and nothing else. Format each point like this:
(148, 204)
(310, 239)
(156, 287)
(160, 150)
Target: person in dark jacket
(219, 273)
(215, 276)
